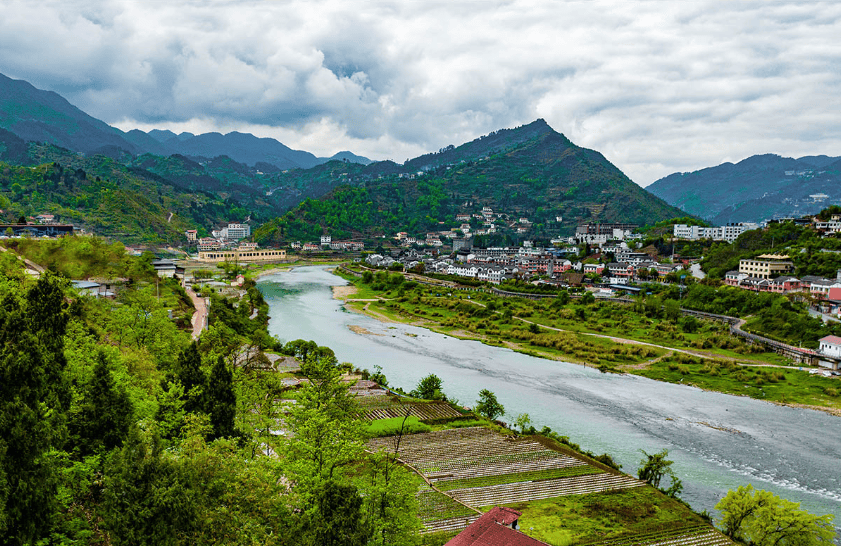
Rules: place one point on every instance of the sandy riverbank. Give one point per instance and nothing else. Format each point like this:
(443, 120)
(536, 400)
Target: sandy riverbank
(343, 292)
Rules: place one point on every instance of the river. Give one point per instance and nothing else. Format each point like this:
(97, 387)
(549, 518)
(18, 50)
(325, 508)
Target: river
(718, 442)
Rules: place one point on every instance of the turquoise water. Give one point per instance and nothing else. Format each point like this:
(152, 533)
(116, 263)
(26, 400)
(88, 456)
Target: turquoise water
(718, 442)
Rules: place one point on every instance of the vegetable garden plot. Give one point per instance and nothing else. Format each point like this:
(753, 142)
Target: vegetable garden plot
(545, 489)
(438, 512)
(386, 407)
(700, 535)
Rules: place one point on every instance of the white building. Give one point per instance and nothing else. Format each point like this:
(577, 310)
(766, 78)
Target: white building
(326, 239)
(235, 231)
(729, 232)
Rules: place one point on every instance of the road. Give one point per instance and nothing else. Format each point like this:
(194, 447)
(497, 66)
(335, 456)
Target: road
(199, 320)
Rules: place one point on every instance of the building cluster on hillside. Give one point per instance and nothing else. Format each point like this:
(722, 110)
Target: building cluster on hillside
(225, 238)
(730, 232)
(497, 264)
(772, 273)
(601, 233)
(327, 243)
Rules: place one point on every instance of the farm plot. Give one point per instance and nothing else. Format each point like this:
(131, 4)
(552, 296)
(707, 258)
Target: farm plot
(386, 407)
(438, 512)
(544, 489)
(474, 451)
(700, 535)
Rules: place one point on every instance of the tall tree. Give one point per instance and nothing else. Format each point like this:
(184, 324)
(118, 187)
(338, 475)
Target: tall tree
(221, 400)
(33, 398)
(105, 414)
(189, 373)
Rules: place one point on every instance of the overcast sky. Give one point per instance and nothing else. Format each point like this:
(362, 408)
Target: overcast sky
(656, 86)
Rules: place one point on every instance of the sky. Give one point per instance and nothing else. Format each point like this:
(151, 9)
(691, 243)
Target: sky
(656, 86)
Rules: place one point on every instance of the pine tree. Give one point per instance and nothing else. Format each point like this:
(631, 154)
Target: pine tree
(105, 415)
(222, 402)
(33, 399)
(193, 379)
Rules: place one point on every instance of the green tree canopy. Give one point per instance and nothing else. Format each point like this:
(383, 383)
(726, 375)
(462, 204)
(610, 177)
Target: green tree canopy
(763, 519)
(488, 405)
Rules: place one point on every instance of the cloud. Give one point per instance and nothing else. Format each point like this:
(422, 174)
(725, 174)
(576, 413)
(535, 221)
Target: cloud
(657, 87)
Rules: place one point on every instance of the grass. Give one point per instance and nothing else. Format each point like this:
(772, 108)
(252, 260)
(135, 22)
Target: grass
(783, 385)
(389, 427)
(578, 519)
(533, 476)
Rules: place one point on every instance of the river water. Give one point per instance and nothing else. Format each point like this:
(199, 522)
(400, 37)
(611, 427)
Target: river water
(718, 442)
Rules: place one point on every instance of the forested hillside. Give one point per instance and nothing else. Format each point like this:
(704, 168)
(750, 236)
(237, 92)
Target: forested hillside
(109, 198)
(756, 189)
(115, 428)
(542, 178)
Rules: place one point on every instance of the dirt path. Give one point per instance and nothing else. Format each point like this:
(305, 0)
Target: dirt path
(199, 319)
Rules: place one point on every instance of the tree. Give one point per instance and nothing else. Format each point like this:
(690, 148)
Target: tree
(488, 405)
(654, 467)
(588, 298)
(327, 430)
(145, 500)
(763, 519)
(429, 388)
(189, 373)
(221, 400)
(105, 414)
(338, 519)
(523, 420)
(33, 400)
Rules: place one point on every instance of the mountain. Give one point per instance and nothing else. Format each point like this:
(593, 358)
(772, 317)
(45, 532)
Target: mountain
(528, 172)
(44, 116)
(759, 188)
(346, 156)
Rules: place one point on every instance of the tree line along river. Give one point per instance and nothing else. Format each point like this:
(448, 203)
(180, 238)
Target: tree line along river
(718, 442)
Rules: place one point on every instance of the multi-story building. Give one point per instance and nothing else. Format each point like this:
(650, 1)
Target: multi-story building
(766, 266)
(236, 231)
(728, 232)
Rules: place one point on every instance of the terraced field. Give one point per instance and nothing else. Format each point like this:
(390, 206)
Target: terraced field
(438, 512)
(480, 467)
(700, 535)
(386, 407)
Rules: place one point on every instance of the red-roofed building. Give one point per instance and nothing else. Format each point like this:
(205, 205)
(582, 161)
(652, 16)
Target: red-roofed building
(830, 346)
(495, 528)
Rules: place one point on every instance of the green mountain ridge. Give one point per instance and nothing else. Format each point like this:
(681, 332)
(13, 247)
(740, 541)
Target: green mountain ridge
(759, 188)
(531, 171)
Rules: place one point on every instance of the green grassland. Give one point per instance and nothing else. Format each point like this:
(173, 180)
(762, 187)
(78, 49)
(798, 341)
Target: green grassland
(783, 385)
(578, 519)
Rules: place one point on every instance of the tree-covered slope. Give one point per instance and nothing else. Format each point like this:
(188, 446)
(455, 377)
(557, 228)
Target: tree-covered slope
(111, 199)
(758, 188)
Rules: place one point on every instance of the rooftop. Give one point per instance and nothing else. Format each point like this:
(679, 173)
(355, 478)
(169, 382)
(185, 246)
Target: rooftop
(491, 530)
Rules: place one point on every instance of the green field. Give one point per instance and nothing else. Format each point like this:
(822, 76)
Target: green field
(579, 519)
(537, 475)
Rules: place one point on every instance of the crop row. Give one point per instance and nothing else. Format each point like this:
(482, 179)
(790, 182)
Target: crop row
(435, 410)
(526, 491)
(433, 506)
(515, 477)
(700, 535)
(491, 465)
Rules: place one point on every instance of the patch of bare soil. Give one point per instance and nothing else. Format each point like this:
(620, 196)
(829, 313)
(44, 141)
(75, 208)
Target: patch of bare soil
(342, 292)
